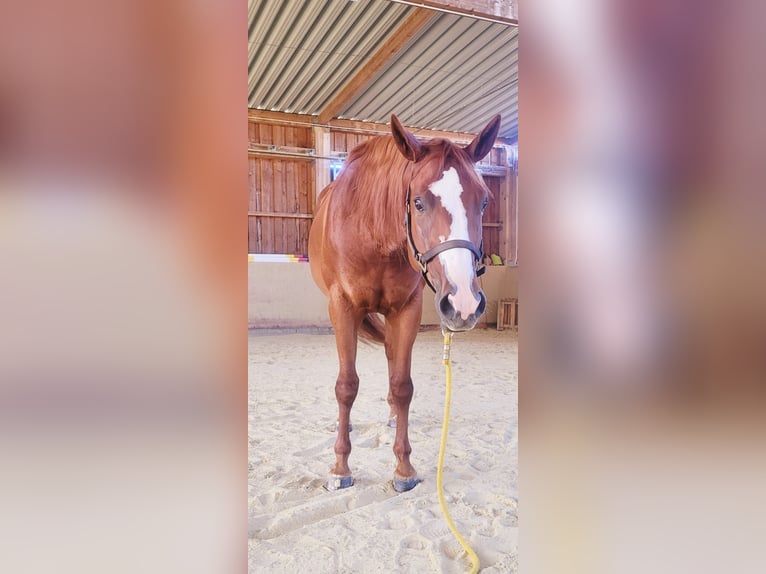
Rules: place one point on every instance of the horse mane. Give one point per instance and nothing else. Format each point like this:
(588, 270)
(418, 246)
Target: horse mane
(373, 185)
(374, 181)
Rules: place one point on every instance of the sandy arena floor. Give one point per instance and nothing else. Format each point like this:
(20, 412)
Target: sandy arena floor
(296, 526)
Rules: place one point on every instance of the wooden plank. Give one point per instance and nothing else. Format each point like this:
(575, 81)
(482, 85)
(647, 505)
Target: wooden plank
(312, 194)
(490, 242)
(252, 132)
(278, 134)
(278, 203)
(503, 216)
(252, 198)
(288, 193)
(265, 133)
(492, 220)
(302, 226)
(274, 155)
(414, 23)
(267, 193)
(511, 216)
(258, 185)
(339, 141)
(334, 140)
(304, 206)
(322, 145)
(282, 149)
(258, 203)
(252, 190)
(503, 309)
(307, 137)
(289, 131)
(361, 138)
(295, 208)
(266, 115)
(252, 235)
(307, 223)
(300, 136)
(280, 214)
(514, 320)
(345, 141)
(498, 156)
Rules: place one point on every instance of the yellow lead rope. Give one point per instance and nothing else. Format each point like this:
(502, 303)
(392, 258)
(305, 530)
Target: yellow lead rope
(442, 448)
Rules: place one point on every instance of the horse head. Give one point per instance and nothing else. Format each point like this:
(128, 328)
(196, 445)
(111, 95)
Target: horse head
(446, 197)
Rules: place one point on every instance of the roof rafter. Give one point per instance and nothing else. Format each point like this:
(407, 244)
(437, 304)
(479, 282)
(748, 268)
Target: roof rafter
(411, 26)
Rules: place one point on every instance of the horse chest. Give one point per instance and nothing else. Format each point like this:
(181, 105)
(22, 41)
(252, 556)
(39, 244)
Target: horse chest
(386, 290)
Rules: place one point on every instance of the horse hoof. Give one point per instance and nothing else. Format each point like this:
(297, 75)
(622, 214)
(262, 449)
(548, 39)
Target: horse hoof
(392, 422)
(405, 484)
(337, 482)
(337, 426)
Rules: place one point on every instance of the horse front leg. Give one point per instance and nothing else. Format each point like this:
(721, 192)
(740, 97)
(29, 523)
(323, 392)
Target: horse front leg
(346, 323)
(403, 330)
(390, 357)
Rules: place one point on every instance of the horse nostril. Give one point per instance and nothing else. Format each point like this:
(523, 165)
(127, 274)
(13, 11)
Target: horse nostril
(482, 304)
(445, 307)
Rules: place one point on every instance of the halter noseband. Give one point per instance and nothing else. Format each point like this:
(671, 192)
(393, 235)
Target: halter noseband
(424, 259)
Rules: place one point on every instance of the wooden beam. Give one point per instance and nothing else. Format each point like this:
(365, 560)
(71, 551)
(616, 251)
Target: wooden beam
(385, 129)
(502, 11)
(390, 47)
(321, 135)
(267, 116)
(504, 233)
(281, 214)
(350, 125)
(510, 215)
(278, 154)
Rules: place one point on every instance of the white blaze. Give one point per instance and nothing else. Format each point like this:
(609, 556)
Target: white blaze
(457, 263)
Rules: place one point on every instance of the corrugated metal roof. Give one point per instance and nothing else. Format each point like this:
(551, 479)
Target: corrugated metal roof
(453, 75)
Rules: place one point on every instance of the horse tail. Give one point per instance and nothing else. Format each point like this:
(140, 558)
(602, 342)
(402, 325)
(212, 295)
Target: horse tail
(373, 329)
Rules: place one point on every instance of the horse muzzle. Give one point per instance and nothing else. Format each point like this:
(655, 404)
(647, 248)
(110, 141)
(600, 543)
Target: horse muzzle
(460, 313)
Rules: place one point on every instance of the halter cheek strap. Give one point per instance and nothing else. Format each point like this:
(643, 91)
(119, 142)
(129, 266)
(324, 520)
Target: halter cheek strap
(424, 259)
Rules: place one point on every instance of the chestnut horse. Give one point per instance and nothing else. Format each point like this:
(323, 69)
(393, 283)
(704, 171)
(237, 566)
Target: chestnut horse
(401, 214)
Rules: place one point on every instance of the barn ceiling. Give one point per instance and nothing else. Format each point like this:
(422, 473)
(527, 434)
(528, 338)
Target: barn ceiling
(364, 60)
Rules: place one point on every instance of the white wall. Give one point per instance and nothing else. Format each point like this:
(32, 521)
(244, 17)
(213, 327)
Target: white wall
(283, 295)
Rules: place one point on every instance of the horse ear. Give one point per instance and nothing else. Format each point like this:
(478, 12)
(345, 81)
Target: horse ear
(483, 142)
(407, 143)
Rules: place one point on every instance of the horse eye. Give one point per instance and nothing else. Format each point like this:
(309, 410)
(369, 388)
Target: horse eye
(484, 204)
(419, 204)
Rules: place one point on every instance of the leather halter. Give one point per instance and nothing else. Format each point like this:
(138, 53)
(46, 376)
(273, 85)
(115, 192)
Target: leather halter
(424, 259)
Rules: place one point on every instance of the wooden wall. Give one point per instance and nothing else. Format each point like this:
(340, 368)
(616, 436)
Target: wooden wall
(281, 190)
(493, 218)
(346, 141)
(284, 160)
